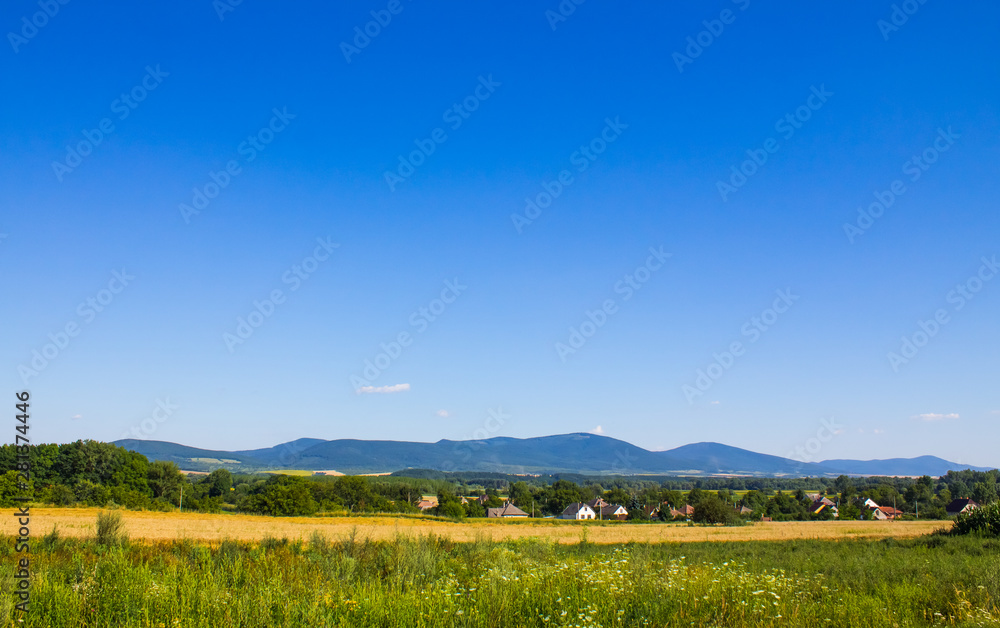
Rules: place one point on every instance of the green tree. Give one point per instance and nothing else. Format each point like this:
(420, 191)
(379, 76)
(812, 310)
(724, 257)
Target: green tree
(711, 509)
(219, 482)
(165, 479)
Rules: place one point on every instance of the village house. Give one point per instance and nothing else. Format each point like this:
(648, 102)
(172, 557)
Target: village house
(686, 511)
(578, 511)
(507, 511)
(614, 512)
(821, 504)
(885, 513)
(958, 506)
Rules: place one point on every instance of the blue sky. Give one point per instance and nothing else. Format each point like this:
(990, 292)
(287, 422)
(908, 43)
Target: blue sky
(633, 137)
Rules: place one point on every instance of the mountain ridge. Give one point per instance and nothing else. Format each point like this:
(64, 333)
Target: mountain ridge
(579, 452)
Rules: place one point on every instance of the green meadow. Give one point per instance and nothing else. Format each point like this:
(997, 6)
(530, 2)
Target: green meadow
(431, 581)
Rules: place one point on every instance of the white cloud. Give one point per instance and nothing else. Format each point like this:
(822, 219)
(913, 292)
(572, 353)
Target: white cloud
(597, 430)
(878, 431)
(77, 416)
(383, 389)
(934, 417)
(443, 414)
(715, 403)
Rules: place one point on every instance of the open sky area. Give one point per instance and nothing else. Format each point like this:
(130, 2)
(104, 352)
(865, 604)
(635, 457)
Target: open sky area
(233, 225)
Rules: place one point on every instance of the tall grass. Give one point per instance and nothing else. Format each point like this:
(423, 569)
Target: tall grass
(432, 581)
(110, 529)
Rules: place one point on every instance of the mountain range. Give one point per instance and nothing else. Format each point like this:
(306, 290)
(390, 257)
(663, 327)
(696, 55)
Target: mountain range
(589, 454)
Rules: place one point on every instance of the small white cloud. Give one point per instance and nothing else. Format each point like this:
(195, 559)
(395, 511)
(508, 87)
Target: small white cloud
(878, 431)
(443, 414)
(395, 388)
(935, 417)
(715, 403)
(77, 416)
(597, 430)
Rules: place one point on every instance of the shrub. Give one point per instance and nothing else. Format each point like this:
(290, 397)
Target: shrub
(984, 521)
(111, 529)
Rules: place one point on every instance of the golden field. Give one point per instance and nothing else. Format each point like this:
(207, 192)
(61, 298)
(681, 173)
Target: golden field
(155, 526)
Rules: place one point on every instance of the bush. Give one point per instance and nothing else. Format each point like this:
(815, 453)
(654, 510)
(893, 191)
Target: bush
(111, 529)
(984, 521)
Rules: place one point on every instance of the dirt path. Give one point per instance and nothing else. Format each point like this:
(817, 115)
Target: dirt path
(79, 522)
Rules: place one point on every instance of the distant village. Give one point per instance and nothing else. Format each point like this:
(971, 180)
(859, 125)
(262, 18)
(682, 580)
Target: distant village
(820, 506)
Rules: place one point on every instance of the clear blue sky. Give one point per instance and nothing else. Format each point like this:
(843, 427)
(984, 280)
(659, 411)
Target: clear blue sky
(645, 125)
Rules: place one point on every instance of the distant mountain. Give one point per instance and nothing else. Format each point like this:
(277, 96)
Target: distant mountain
(723, 459)
(588, 454)
(921, 465)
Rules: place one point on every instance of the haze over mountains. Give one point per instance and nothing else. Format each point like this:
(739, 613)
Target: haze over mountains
(567, 453)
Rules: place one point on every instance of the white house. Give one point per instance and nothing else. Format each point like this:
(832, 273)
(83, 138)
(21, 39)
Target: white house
(614, 511)
(578, 511)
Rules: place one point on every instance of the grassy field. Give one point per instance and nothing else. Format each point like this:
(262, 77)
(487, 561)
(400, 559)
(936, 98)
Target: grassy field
(433, 581)
(156, 526)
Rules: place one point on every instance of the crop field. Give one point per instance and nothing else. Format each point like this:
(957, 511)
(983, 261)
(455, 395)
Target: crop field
(169, 526)
(427, 580)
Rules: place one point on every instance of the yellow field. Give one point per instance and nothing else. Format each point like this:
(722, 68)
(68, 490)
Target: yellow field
(208, 527)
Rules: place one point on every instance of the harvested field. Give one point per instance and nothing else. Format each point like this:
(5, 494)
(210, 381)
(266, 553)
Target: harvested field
(80, 522)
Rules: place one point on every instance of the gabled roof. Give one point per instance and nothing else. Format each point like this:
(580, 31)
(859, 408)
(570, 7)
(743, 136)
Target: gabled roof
(612, 510)
(599, 502)
(508, 510)
(958, 505)
(575, 507)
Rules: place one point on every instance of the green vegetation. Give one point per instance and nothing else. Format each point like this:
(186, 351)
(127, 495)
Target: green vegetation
(110, 529)
(434, 582)
(983, 521)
